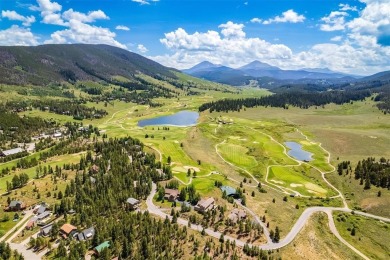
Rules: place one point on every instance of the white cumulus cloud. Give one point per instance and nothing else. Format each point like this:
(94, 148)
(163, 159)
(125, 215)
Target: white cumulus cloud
(229, 47)
(79, 32)
(86, 18)
(289, 16)
(256, 20)
(14, 16)
(142, 49)
(347, 7)
(336, 38)
(335, 21)
(17, 36)
(144, 2)
(232, 30)
(77, 25)
(122, 27)
(49, 12)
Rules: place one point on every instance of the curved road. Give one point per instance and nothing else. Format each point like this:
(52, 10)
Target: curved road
(300, 222)
(153, 209)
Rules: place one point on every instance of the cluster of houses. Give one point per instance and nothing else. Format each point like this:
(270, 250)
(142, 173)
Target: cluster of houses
(202, 206)
(56, 135)
(42, 214)
(69, 231)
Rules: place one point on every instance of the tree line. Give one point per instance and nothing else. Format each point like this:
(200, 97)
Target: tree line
(369, 171)
(284, 100)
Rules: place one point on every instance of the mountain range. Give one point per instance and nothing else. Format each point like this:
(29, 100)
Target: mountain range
(262, 72)
(40, 65)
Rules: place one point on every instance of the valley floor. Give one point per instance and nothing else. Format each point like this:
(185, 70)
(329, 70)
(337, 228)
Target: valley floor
(246, 150)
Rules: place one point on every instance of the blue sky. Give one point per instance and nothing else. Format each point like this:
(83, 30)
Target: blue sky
(347, 36)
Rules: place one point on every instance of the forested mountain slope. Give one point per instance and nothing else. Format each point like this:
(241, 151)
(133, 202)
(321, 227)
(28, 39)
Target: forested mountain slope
(43, 64)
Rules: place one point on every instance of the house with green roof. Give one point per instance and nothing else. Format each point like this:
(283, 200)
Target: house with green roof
(101, 247)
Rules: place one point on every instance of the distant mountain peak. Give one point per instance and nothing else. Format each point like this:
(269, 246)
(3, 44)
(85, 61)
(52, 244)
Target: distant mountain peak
(258, 65)
(203, 66)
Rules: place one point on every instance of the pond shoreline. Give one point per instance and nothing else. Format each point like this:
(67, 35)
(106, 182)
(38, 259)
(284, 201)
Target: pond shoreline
(183, 118)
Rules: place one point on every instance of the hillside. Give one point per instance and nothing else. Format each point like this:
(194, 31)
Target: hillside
(71, 62)
(381, 76)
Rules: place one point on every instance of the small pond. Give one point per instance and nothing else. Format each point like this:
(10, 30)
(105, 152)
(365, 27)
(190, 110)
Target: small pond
(182, 118)
(297, 152)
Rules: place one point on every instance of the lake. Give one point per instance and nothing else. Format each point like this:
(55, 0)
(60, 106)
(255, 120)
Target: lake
(297, 152)
(182, 118)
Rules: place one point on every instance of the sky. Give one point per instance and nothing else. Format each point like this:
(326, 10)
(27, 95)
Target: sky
(350, 36)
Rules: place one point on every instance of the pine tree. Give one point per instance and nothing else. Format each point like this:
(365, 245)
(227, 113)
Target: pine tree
(277, 235)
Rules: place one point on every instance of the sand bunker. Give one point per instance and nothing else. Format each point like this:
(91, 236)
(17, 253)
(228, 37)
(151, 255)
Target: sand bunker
(314, 187)
(278, 182)
(294, 185)
(176, 142)
(373, 137)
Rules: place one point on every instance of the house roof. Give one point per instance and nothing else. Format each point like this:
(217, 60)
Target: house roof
(46, 229)
(67, 228)
(102, 246)
(132, 201)
(80, 237)
(41, 209)
(44, 215)
(14, 203)
(13, 151)
(205, 203)
(89, 232)
(171, 192)
(239, 213)
(30, 223)
(233, 217)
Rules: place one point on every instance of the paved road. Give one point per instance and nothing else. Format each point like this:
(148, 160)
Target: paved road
(300, 222)
(29, 213)
(153, 209)
(334, 230)
(22, 247)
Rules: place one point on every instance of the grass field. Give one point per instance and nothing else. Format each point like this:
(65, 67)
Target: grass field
(372, 237)
(59, 160)
(5, 226)
(315, 241)
(295, 178)
(237, 155)
(349, 132)
(254, 142)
